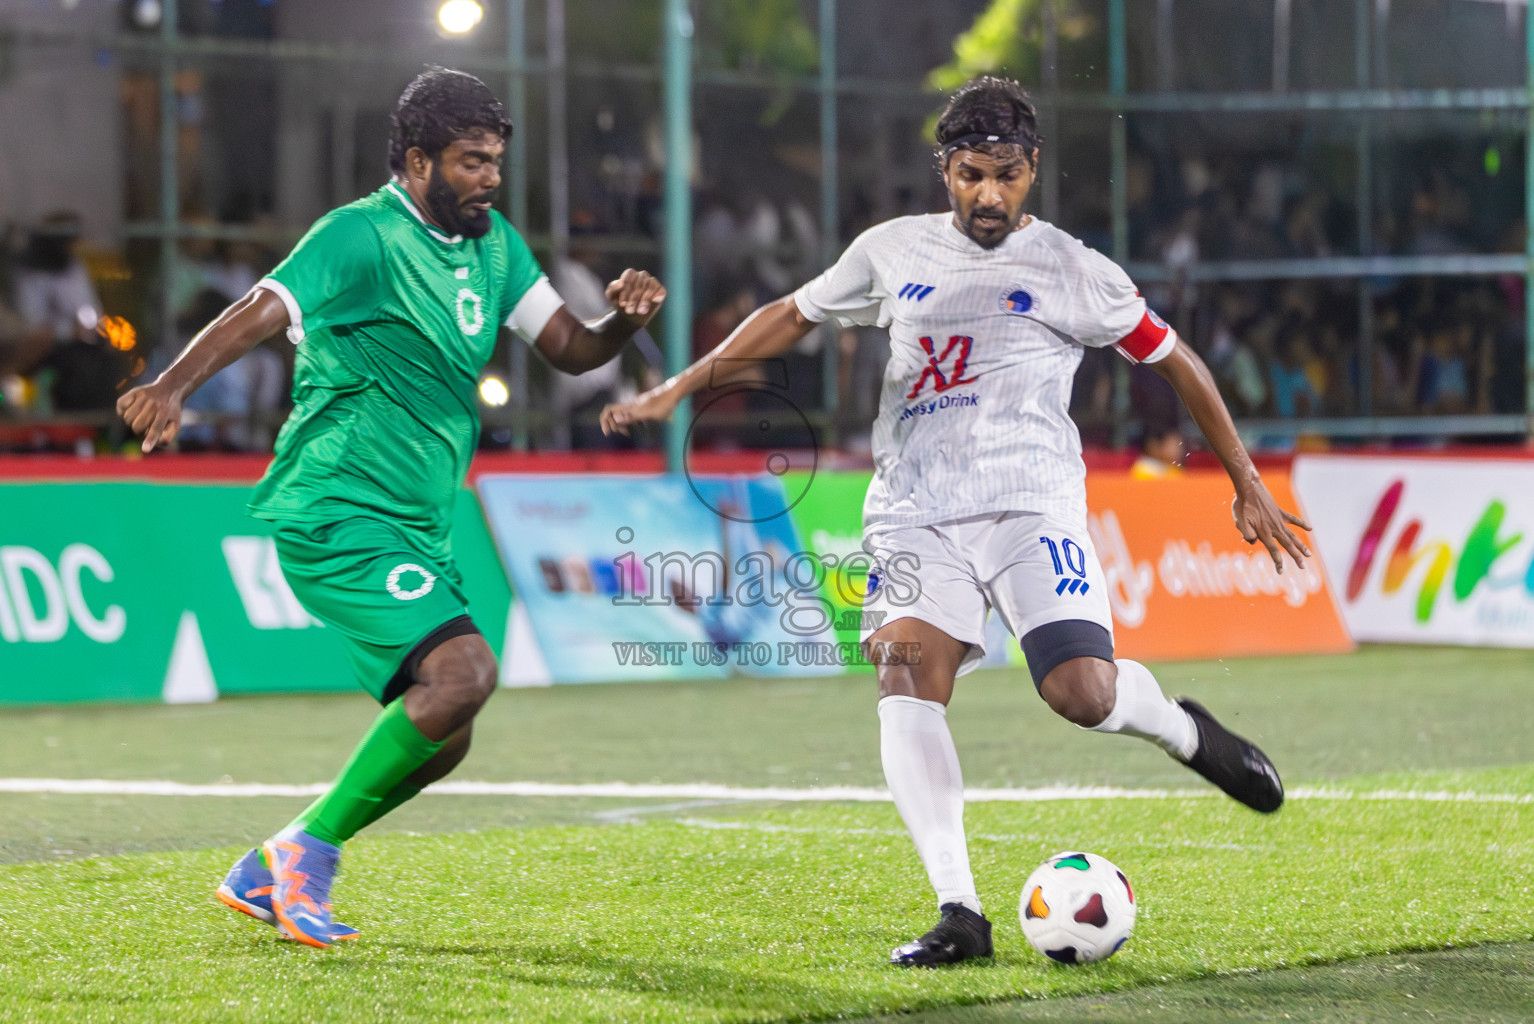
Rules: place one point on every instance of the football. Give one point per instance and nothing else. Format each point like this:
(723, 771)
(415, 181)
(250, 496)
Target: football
(1077, 908)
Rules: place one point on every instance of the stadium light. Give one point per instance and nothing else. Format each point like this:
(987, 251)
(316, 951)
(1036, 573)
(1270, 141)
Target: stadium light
(492, 391)
(147, 13)
(460, 16)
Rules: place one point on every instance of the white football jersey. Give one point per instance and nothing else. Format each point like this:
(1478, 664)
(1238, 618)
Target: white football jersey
(984, 345)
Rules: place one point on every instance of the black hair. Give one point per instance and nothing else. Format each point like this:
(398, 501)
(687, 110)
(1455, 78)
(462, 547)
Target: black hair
(988, 112)
(440, 106)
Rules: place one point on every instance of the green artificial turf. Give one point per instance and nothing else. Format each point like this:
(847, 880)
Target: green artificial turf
(1489, 984)
(599, 909)
(754, 913)
(1393, 712)
(1381, 709)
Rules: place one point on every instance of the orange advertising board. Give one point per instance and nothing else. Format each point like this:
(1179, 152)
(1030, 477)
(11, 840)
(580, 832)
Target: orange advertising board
(1183, 584)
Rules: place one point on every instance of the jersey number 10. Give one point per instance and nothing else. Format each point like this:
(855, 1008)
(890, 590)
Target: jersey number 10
(1075, 560)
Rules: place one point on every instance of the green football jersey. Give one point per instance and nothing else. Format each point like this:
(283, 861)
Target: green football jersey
(393, 321)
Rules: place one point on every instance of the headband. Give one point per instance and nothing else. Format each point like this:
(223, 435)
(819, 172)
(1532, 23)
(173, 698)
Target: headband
(1019, 137)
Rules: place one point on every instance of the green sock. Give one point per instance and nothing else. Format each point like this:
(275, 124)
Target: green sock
(396, 796)
(387, 755)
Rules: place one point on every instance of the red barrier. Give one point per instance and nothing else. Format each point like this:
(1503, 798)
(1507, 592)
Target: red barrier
(221, 468)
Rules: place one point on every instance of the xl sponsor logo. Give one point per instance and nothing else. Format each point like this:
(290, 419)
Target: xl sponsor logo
(268, 600)
(38, 599)
(958, 348)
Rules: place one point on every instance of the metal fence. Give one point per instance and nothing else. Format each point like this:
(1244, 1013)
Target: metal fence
(632, 118)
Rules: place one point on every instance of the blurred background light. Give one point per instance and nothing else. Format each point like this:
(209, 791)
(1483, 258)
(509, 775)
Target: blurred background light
(146, 13)
(460, 16)
(492, 391)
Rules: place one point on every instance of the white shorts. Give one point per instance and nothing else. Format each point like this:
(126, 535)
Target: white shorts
(1033, 569)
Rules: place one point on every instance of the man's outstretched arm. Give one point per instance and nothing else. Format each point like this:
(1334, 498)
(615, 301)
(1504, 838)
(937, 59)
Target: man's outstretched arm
(574, 346)
(154, 410)
(1257, 515)
(771, 331)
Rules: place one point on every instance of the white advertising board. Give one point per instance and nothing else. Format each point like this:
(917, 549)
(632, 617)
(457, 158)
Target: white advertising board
(1424, 550)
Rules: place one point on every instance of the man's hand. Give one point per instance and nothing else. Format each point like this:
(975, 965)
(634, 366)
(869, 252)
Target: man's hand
(637, 296)
(153, 410)
(1259, 518)
(654, 406)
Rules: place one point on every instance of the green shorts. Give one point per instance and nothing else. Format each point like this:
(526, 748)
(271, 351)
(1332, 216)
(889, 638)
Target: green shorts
(379, 588)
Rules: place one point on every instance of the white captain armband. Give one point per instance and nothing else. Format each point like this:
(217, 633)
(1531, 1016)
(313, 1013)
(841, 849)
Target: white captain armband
(536, 308)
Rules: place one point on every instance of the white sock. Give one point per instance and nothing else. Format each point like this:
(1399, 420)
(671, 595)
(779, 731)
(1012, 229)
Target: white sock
(1141, 709)
(922, 770)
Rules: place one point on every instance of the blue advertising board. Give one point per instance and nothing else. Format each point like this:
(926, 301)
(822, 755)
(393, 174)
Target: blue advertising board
(639, 578)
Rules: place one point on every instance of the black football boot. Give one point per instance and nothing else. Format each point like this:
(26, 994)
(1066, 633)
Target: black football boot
(961, 934)
(1233, 763)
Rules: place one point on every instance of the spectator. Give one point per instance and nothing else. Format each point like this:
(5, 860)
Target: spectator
(1161, 452)
(236, 410)
(718, 251)
(1443, 384)
(22, 347)
(1238, 372)
(80, 372)
(576, 401)
(1293, 393)
(1092, 397)
(863, 352)
(717, 413)
(53, 289)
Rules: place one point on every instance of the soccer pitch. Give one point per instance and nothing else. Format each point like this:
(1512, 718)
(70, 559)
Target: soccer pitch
(1411, 774)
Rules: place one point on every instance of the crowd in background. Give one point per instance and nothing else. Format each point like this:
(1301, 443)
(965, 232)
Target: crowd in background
(66, 354)
(1280, 349)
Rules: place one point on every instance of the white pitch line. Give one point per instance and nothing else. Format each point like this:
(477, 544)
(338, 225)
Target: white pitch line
(712, 791)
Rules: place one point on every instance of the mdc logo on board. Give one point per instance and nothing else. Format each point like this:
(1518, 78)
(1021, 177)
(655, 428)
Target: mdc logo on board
(38, 601)
(268, 600)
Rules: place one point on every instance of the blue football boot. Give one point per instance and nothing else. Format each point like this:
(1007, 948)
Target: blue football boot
(248, 889)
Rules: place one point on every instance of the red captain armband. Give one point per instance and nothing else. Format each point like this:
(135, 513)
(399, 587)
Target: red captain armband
(1151, 341)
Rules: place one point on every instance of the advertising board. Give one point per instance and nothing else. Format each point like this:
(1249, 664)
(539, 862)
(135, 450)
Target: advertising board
(153, 591)
(624, 578)
(1426, 550)
(1183, 584)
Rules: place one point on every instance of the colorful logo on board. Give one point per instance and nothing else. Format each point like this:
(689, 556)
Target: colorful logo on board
(1470, 565)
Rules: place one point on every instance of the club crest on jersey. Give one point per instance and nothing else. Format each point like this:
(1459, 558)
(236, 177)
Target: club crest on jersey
(1017, 300)
(424, 580)
(470, 323)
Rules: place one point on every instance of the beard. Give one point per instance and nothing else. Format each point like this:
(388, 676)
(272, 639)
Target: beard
(986, 237)
(990, 236)
(448, 210)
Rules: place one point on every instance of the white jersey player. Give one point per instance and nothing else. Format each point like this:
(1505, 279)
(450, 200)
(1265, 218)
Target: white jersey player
(978, 498)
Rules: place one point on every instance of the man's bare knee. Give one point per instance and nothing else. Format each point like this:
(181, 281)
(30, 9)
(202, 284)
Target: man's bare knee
(452, 684)
(914, 658)
(1082, 690)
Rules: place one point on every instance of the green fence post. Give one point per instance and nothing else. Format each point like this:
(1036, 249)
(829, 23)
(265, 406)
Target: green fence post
(678, 198)
(170, 184)
(1118, 86)
(828, 194)
(516, 193)
(1528, 216)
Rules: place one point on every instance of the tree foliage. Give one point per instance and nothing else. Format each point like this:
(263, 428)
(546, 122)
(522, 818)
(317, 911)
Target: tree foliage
(1008, 39)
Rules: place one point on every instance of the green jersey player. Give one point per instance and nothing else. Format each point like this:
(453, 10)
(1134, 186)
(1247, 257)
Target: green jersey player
(394, 302)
